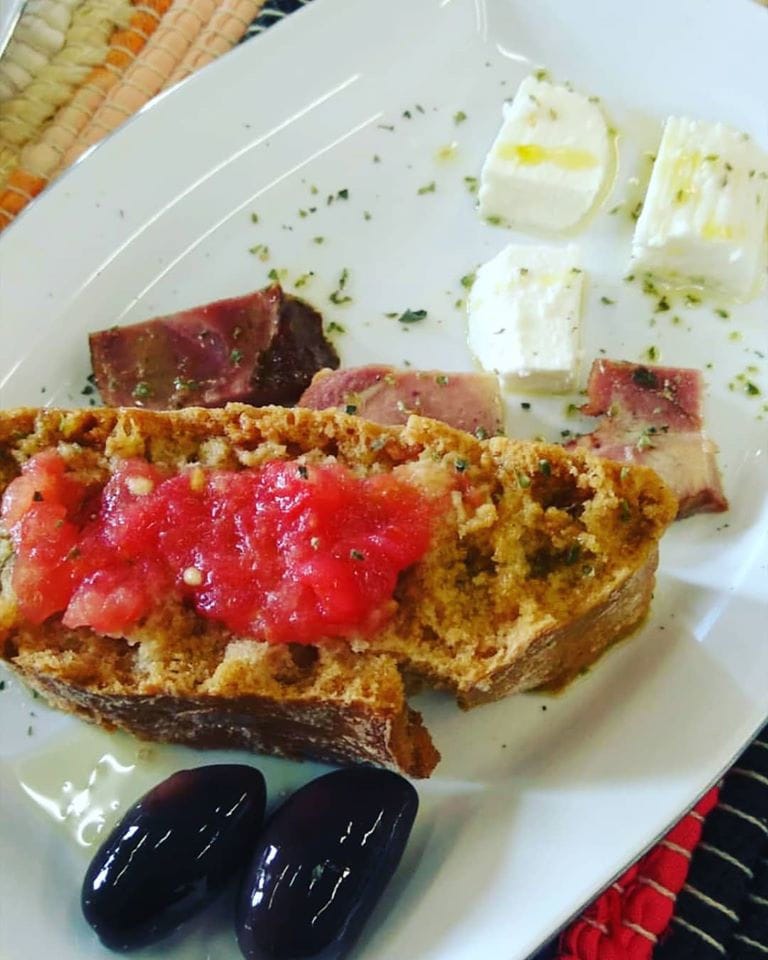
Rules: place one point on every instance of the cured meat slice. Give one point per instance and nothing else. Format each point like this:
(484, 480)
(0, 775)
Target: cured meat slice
(260, 348)
(466, 401)
(652, 415)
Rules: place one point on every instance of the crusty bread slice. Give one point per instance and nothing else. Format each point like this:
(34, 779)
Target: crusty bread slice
(544, 560)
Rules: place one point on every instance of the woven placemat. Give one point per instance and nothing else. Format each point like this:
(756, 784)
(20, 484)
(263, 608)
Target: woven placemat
(700, 894)
(74, 71)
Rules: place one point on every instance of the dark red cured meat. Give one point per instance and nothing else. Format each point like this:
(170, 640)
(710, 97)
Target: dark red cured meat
(652, 415)
(466, 401)
(660, 395)
(261, 348)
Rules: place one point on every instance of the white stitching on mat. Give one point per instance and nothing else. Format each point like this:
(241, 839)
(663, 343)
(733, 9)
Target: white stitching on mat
(727, 857)
(641, 930)
(232, 15)
(126, 51)
(750, 942)
(59, 151)
(755, 899)
(211, 33)
(657, 887)
(760, 743)
(598, 926)
(143, 8)
(744, 816)
(752, 774)
(143, 33)
(98, 124)
(161, 44)
(114, 68)
(128, 82)
(677, 849)
(22, 193)
(87, 114)
(701, 933)
(696, 815)
(715, 904)
(198, 16)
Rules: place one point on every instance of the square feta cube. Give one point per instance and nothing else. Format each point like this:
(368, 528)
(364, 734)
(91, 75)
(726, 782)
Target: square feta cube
(525, 317)
(704, 218)
(549, 160)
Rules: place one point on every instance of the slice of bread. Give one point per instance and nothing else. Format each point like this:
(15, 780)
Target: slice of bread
(544, 560)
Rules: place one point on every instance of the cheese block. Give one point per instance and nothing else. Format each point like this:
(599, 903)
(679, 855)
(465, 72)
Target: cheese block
(549, 161)
(525, 317)
(704, 217)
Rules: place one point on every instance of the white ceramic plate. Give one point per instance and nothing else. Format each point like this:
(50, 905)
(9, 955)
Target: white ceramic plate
(538, 802)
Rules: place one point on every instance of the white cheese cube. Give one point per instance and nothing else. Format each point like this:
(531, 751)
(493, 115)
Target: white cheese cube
(549, 161)
(525, 317)
(704, 217)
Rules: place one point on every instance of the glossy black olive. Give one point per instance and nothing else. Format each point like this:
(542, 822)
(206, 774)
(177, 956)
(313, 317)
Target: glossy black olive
(321, 864)
(172, 853)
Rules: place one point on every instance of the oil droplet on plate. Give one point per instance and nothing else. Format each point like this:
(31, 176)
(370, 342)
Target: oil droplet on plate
(84, 780)
(447, 152)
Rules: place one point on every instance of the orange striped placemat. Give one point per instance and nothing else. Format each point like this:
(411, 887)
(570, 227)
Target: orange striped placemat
(75, 69)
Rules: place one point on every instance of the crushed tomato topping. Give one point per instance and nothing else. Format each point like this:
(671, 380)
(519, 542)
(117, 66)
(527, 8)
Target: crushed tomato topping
(283, 553)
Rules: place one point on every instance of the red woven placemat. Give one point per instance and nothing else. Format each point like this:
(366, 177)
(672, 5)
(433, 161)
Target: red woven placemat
(699, 894)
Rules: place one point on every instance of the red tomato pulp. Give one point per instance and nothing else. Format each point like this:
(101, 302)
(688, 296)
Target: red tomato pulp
(284, 553)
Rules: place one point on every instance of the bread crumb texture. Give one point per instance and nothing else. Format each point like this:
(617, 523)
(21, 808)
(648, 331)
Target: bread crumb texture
(543, 558)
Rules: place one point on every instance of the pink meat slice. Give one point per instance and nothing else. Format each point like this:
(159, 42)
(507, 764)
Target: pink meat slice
(652, 415)
(467, 401)
(260, 348)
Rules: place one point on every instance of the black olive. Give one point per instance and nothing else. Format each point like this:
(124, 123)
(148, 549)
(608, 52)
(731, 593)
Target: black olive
(321, 864)
(172, 853)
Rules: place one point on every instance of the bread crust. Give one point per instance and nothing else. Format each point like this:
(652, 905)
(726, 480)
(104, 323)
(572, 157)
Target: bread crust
(544, 559)
(556, 657)
(332, 732)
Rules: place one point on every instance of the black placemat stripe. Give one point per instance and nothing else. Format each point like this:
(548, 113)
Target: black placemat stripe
(270, 13)
(549, 952)
(690, 942)
(713, 905)
(748, 949)
(706, 900)
(751, 939)
(758, 822)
